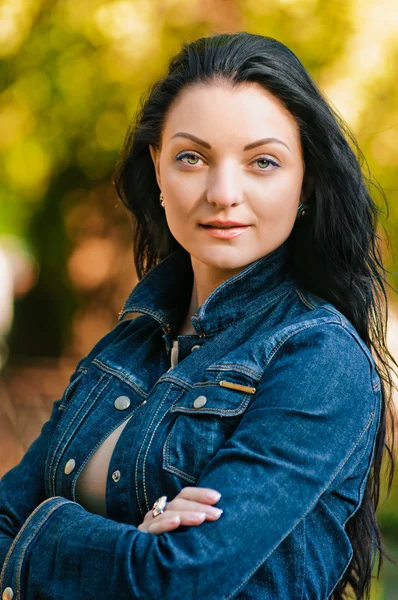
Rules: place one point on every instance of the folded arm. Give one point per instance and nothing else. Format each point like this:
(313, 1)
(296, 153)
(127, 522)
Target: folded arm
(22, 488)
(290, 445)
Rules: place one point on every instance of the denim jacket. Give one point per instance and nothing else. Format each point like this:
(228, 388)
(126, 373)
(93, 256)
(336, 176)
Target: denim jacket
(275, 402)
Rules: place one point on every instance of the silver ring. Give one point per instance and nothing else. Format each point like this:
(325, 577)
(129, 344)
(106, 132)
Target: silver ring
(159, 506)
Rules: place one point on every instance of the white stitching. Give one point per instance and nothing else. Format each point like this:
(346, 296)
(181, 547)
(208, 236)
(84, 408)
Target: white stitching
(235, 367)
(142, 444)
(125, 378)
(304, 299)
(19, 535)
(53, 466)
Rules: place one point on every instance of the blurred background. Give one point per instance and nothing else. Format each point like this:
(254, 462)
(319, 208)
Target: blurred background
(71, 74)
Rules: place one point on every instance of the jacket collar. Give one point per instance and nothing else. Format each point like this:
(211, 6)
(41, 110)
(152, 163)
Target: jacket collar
(165, 291)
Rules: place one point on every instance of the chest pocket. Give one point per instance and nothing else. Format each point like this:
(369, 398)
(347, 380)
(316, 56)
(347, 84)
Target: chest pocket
(205, 417)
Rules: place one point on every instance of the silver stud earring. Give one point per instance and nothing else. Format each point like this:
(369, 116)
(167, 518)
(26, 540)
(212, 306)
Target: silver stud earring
(161, 199)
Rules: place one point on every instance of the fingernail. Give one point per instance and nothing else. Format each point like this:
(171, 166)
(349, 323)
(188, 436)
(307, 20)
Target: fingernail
(213, 496)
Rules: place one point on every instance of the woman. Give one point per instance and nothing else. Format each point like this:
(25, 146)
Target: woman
(248, 369)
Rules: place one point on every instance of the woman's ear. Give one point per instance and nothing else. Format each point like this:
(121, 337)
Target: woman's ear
(155, 154)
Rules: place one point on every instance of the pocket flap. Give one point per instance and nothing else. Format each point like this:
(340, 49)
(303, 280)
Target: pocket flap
(227, 396)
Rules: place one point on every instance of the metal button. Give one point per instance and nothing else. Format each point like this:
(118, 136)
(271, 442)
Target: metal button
(116, 476)
(122, 402)
(8, 594)
(195, 347)
(200, 401)
(70, 465)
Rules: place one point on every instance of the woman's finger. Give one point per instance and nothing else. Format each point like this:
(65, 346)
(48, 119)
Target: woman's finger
(180, 504)
(191, 519)
(169, 514)
(159, 526)
(167, 521)
(198, 494)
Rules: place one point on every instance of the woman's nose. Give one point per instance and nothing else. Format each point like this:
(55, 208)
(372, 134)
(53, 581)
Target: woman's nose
(224, 188)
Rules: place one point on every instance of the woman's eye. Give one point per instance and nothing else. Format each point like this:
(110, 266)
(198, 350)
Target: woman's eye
(190, 156)
(266, 162)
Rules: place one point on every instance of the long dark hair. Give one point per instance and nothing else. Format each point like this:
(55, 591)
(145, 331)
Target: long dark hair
(336, 246)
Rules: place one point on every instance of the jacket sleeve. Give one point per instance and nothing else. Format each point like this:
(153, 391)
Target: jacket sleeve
(22, 488)
(291, 444)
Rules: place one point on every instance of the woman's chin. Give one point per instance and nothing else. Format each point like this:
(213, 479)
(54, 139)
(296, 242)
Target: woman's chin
(227, 259)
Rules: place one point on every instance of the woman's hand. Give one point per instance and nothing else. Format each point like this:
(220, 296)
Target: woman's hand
(191, 506)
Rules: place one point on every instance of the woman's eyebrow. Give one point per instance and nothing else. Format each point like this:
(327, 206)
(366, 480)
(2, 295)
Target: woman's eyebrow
(247, 147)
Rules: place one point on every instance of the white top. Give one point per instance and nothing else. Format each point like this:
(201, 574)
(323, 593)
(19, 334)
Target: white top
(174, 355)
(91, 483)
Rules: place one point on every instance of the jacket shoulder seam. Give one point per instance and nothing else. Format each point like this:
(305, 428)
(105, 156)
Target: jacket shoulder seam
(303, 299)
(289, 335)
(310, 306)
(375, 386)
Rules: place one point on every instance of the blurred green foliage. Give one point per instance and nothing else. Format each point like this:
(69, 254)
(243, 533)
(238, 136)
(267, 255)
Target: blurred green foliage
(71, 74)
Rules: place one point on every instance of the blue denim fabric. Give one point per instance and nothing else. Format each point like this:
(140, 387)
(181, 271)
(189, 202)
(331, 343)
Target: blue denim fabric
(291, 460)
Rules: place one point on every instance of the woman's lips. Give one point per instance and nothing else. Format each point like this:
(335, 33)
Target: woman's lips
(225, 232)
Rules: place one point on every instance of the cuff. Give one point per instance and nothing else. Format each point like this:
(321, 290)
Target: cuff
(10, 578)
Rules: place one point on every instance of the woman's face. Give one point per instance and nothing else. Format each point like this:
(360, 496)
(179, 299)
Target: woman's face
(229, 155)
